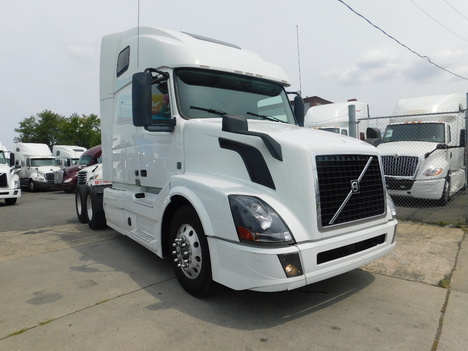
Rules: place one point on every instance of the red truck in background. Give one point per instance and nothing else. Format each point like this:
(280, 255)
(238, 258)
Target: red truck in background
(70, 174)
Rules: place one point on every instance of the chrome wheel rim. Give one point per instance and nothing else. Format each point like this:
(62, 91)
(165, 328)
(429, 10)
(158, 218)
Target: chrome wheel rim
(187, 251)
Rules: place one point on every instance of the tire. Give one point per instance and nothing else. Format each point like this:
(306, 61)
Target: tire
(192, 264)
(31, 186)
(80, 204)
(11, 201)
(95, 215)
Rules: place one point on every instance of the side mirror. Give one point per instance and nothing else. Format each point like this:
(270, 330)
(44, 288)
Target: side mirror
(462, 138)
(373, 133)
(12, 159)
(141, 105)
(141, 99)
(299, 110)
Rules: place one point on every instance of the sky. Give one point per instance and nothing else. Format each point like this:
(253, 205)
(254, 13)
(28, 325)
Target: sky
(49, 49)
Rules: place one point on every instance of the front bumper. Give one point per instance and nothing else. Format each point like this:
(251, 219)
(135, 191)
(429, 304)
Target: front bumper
(243, 267)
(422, 189)
(10, 193)
(44, 184)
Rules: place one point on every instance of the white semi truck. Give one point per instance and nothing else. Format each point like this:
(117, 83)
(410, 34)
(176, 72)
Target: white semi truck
(423, 151)
(210, 167)
(67, 155)
(37, 165)
(10, 188)
(335, 117)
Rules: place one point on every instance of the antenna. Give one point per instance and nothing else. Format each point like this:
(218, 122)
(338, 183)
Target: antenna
(299, 60)
(138, 36)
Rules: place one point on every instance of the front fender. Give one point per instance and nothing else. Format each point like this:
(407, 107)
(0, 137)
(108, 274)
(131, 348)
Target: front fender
(209, 198)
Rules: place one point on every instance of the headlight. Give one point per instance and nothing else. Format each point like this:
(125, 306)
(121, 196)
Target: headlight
(432, 171)
(391, 205)
(16, 183)
(68, 180)
(258, 222)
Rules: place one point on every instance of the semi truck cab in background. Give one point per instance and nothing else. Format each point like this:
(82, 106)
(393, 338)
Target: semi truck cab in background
(423, 151)
(69, 175)
(67, 155)
(206, 164)
(10, 187)
(37, 166)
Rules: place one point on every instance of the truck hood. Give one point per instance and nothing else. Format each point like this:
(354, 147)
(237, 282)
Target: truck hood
(405, 148)
(249, 167)
(317, 140)
(73, 169)
(47, 169)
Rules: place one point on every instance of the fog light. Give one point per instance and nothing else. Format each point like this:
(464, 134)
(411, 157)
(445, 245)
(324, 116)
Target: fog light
(291, 264)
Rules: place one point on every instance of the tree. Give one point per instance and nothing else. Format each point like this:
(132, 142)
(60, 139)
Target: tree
(42, 128)
(52, 129)
(83, 131)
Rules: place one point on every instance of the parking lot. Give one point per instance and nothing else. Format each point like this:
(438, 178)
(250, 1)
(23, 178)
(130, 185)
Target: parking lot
(65, 287)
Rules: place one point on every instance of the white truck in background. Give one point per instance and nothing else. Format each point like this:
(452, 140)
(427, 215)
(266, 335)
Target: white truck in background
(423, 150)
(67, 155)
(10, 188)
(334, 117)
(209, 166)
(37, 165)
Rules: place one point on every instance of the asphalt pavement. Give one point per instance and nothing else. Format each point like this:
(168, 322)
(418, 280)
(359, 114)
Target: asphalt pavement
(64, 287)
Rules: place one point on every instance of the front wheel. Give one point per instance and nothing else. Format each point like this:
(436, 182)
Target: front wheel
(96, 217)
(192, 264)
(10, 201)
(80, 204)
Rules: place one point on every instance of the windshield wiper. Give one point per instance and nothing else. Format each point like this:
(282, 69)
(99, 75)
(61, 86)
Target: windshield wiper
(270, 118)
(209, 110)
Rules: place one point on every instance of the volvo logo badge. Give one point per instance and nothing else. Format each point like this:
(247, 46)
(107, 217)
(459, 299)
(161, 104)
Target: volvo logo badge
(355, 186)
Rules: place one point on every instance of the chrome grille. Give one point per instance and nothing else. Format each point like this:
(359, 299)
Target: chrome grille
(341, 199)
(49, 176)
(402, 166)
(3, 180)
(81, 177)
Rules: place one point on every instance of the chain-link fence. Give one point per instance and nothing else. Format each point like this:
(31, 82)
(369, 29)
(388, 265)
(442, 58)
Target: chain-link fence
(423, 157)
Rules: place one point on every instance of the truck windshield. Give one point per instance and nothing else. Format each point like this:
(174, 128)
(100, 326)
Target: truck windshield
(433, 132)
(39, 162)
(85, 159)
(208, 94)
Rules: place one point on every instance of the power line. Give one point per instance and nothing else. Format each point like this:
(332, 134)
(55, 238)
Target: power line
(461, 14)
(451, 31)
(400, 43)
